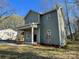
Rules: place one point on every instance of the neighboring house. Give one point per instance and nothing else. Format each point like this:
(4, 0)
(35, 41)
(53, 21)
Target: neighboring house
(8, 34)
(47, 28)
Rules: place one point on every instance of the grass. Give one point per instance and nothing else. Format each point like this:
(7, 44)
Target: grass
(40, 52)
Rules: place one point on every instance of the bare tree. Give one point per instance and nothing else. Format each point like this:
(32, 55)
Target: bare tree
(76, 15)
(6, 10)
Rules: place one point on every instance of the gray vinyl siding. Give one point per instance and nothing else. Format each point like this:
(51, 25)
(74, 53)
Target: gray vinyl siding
(48, 22)
(32, 17)
(38, 34)
(28, 36)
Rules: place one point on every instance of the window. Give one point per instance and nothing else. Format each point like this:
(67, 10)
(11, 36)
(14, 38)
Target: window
(49, 16)
(49, 34)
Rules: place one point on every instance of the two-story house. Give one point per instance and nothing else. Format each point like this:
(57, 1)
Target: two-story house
(47, 28)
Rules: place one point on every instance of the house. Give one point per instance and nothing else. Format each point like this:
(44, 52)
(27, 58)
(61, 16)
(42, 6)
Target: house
(47, 28)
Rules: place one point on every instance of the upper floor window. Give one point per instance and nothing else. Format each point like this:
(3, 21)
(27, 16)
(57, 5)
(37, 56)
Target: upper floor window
(49, 16)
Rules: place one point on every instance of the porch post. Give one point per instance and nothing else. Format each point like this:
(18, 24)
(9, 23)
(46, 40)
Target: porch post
(32, 33)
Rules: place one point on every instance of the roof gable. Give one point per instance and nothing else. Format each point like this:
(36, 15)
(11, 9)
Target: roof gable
(31, 11)
(41, 13)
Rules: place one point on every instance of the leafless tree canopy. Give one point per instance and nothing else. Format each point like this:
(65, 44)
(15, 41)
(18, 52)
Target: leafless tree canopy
(5, 9)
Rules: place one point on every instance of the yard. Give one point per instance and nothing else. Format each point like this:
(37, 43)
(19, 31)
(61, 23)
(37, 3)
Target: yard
(71, 51)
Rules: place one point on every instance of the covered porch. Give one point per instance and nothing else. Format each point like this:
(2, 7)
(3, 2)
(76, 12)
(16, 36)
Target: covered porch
(31, 33)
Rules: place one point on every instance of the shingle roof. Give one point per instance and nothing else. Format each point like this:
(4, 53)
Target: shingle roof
(43, 13)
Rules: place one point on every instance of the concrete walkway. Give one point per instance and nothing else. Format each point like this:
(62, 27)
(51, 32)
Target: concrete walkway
(13, 44)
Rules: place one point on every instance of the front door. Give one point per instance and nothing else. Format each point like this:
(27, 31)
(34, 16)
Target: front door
(35, 37)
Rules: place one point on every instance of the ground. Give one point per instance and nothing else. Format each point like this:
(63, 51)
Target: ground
(13, 51)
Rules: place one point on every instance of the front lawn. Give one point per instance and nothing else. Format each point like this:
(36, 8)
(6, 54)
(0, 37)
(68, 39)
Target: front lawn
(40, 52)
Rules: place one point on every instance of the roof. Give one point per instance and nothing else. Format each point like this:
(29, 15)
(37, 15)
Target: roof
(52, 10)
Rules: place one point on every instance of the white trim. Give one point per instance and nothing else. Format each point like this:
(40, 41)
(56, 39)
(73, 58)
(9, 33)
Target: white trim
(59, 25)
(28, 26)
(32, 33)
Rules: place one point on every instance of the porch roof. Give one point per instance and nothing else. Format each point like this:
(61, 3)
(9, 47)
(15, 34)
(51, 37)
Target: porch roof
(26, 26)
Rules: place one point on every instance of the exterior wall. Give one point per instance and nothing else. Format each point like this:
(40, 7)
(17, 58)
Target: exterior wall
(49, 28)
(38, 35)
(32, 17)
(27, 36)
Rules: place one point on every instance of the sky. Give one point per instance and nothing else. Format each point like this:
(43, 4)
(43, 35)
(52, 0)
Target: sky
(22, 7)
